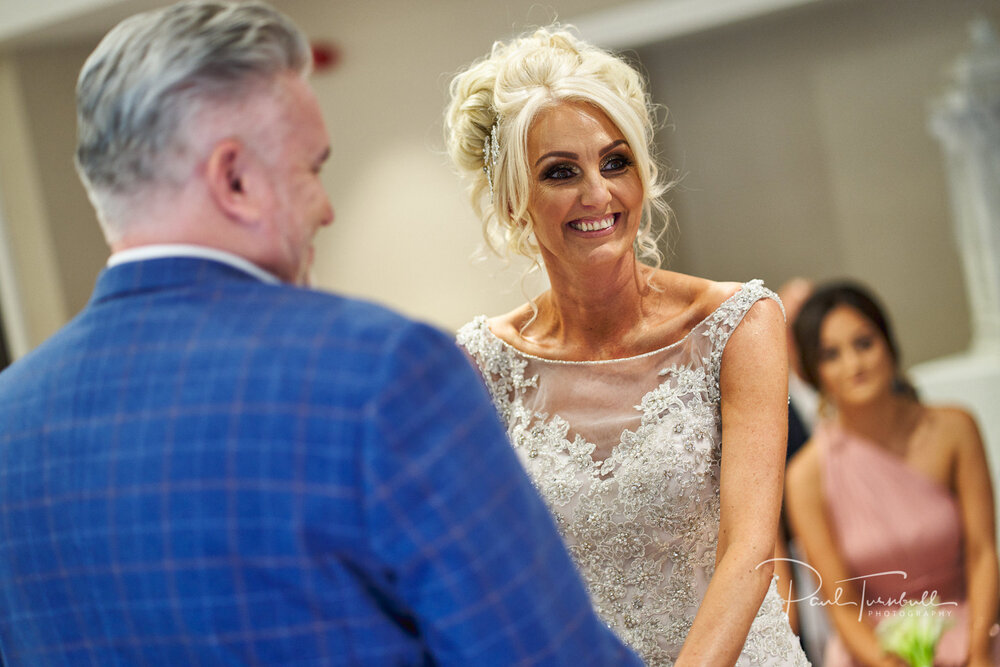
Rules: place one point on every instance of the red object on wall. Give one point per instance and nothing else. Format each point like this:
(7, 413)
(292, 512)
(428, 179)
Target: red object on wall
(326, 56)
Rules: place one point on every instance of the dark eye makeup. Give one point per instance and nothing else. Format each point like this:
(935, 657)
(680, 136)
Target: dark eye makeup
(612, 164)
(560, 172)
(616, 163)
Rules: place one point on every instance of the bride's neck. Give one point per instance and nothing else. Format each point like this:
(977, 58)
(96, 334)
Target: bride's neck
(595, 309)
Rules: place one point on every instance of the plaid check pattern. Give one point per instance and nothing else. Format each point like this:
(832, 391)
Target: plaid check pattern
(202, 469)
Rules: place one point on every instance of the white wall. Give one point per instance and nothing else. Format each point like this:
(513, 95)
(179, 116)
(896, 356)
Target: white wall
(47, 79)
(32, 296)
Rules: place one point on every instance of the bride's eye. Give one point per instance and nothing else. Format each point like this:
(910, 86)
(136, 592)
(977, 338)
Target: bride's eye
(616, 163)
(560, 172)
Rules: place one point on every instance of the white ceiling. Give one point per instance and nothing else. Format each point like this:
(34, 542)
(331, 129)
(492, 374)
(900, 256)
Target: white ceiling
(648, 21)
(41, 22)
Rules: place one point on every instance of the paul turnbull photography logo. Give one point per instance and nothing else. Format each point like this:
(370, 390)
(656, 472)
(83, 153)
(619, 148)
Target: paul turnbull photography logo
(928, 604)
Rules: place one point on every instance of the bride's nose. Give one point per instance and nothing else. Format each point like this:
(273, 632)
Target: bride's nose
(595, 192)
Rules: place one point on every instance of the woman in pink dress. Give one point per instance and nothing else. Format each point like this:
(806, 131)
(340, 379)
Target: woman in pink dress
(891, 498)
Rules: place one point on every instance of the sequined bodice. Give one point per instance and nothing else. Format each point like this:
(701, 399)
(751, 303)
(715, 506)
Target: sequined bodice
(626, 453)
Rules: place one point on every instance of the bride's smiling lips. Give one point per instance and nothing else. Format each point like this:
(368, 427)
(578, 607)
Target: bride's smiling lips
(595, 226)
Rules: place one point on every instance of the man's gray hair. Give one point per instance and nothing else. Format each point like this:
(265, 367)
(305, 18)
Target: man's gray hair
(155, 69)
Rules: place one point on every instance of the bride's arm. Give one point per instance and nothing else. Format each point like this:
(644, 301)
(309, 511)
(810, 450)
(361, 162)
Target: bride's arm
(754, 388)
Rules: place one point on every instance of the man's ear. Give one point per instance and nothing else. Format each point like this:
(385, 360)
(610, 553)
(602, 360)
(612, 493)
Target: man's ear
(233, 181)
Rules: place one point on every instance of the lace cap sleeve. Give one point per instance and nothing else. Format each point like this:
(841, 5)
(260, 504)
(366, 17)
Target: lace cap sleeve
(727, 317)
(473, 339)
(501, 367)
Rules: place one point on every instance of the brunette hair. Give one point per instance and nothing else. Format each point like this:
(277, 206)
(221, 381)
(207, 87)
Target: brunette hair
(808, 323)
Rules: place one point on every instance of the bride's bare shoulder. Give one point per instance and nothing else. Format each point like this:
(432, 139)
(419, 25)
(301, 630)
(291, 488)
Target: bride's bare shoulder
(699, 297)
(507, 326)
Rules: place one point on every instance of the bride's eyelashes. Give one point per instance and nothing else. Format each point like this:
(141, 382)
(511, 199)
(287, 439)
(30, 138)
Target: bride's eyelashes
(612, 164)
(560, 172)
(616, 163)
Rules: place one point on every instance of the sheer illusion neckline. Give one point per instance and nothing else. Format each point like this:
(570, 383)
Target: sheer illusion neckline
(599, 362)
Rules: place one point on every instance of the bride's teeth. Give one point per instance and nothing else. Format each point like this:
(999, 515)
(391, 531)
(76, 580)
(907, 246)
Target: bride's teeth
(604, 223)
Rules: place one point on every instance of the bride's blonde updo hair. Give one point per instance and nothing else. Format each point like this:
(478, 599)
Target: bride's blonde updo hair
(503, 93)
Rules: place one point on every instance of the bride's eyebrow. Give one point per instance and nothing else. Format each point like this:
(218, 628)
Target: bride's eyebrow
(613, 145)
(573, 156)
(565, 154)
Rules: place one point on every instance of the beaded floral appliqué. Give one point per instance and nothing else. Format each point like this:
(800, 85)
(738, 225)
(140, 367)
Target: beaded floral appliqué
(642, 524)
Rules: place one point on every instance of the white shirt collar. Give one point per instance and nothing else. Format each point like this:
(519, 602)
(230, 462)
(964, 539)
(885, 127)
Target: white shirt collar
(158, 251)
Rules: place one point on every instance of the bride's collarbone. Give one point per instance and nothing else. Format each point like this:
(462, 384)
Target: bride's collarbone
(662, 318)
(599, 344)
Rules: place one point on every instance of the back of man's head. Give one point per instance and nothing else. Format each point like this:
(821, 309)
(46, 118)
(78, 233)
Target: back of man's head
(148, 79)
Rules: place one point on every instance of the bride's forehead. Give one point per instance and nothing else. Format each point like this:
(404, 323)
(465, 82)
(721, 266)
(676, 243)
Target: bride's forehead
(577, 122)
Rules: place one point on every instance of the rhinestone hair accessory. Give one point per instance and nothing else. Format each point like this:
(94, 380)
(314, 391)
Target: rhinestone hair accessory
(491, 152)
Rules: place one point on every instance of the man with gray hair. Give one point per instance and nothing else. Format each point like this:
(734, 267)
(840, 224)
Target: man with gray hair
(214, 465)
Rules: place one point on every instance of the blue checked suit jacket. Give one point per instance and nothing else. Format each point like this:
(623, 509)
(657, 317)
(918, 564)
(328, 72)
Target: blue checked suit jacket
(203, 469)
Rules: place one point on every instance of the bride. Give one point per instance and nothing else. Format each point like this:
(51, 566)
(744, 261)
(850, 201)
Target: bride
(648, 406)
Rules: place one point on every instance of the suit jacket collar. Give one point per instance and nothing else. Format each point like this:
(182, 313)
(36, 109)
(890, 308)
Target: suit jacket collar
(163, 273)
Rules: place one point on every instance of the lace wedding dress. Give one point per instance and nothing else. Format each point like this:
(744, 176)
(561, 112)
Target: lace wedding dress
(626, 454)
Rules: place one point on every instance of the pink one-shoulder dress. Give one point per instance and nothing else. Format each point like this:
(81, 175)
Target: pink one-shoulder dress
(900, 533)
